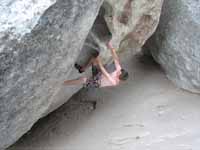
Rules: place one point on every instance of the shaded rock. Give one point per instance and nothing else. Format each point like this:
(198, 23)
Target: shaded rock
(33, 65)
(176, 43)
(98, 35)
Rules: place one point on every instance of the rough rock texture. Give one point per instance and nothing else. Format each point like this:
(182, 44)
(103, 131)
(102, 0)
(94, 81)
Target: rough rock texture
(19, 17)
(38, 51)
(33, 68)
(176, 43)
(132, 22)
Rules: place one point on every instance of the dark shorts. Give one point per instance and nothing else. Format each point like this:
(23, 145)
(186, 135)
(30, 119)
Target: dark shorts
(95, 80)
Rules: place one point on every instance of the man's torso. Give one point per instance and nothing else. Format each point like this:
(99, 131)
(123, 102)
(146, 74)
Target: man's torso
(105, 82)
(114, 73)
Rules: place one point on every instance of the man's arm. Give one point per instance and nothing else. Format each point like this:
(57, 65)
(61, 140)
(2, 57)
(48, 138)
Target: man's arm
(81, 80)
(115, 56)
(103, 70)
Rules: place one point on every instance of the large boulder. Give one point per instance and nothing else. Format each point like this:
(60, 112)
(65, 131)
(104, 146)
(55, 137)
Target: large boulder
(176, 43)
(40, 42)
(37, 52)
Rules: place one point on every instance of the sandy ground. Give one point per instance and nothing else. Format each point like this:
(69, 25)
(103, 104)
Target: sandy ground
(146, 113)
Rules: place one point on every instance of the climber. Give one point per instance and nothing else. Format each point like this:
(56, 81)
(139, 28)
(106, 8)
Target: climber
(101, 77)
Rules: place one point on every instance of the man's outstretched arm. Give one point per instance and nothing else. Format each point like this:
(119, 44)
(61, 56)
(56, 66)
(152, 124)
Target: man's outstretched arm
(81, 80)
(114, 55)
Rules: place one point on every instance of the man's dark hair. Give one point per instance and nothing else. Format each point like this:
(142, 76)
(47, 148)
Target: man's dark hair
(124, 75)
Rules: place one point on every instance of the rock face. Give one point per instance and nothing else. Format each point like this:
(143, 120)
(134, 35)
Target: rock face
(176, 43)
(131, 23)
(40, 44)
(34, 65)
(19, 17)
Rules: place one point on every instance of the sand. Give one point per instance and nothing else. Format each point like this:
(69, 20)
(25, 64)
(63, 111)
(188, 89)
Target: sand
(146, 113)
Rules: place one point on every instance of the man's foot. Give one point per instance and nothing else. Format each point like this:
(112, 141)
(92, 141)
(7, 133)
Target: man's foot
(78, 67)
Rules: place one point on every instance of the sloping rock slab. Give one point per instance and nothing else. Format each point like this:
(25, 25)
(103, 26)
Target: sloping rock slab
(35, 61)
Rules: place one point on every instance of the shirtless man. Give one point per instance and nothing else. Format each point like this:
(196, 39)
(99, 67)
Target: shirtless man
(101, 77)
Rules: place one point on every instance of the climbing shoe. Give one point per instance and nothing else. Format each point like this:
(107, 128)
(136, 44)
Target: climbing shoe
(78, 67)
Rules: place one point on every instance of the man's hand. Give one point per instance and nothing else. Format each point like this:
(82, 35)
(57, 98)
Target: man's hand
(109, 45)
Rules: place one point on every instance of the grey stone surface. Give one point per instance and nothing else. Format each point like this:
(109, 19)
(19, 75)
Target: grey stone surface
(98, 35)
(34, 64)
(131, 23)
(39, 52)
(176, 43)
(20, 17)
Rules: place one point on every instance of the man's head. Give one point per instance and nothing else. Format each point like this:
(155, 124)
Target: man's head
(124, 75)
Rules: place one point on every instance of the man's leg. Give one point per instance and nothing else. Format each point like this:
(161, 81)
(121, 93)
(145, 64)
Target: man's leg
(88, 64)
(81, 69)
(81, 80)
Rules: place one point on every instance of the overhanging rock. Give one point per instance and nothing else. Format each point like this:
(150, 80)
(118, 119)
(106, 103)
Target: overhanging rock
(35, 61)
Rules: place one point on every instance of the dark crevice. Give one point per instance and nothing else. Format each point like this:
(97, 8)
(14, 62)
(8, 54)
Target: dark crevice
(99, 33)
